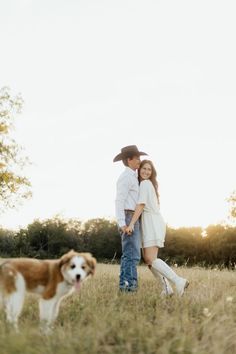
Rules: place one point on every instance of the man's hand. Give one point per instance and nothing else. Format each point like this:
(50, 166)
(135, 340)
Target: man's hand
(123, 229)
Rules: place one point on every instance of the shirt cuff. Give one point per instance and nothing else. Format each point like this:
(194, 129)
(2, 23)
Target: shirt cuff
(121, 223)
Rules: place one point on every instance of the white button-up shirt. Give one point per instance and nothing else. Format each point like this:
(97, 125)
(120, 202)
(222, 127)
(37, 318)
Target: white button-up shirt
(127, 192)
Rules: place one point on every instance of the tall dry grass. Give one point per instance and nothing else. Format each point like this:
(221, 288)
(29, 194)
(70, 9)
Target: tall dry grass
(101, 320)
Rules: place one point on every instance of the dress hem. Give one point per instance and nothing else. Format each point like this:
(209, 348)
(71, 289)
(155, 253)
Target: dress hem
(151, 243)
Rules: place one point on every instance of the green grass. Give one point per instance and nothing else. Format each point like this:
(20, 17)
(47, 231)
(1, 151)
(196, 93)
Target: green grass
(101, 320)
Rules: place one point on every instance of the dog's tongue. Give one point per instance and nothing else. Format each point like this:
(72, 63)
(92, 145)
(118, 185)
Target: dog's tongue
(77, 285)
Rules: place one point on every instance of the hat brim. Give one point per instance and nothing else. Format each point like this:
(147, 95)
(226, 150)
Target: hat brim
(121, 156)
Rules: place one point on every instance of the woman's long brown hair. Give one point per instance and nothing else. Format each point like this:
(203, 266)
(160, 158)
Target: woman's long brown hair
(153, 177)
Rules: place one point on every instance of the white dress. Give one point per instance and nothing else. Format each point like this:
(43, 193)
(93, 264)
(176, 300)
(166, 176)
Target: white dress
(153, 227)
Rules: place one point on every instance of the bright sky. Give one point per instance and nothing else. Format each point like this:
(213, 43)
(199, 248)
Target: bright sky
(97, 75)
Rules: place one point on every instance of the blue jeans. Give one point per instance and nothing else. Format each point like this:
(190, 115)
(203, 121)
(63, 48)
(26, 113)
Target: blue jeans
(130, 256)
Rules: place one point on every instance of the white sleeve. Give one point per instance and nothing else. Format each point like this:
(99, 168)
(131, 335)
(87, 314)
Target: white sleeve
(143, 192)
(122, 190)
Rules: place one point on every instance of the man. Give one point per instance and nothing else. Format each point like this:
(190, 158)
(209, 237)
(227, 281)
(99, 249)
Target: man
(126, 199)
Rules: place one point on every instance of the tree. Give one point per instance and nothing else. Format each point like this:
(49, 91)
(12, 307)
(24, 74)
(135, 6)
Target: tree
(14, 187)
(102, 239)
(232, 201)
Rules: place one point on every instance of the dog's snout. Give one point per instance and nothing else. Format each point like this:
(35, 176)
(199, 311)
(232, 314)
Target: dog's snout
(77, 276)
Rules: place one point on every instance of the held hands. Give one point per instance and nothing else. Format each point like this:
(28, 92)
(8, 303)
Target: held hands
(129, 229)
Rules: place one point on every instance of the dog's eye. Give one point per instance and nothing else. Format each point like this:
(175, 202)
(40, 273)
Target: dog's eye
(72, 266)
(83, 267)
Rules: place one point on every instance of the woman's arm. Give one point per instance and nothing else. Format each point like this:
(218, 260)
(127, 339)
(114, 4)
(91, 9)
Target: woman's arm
(138, 211)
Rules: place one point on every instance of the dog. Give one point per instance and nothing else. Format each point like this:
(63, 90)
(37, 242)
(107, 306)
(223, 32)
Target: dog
(52, 280)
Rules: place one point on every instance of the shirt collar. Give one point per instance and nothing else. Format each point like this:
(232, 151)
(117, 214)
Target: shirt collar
(131, 172)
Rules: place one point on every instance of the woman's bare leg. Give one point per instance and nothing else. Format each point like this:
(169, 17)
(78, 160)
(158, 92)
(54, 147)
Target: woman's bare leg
(150, 254)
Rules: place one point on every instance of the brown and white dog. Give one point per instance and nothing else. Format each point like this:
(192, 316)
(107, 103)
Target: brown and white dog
(51, 279)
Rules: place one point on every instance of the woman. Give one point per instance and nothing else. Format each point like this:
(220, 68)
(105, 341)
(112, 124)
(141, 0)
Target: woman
(153, 229)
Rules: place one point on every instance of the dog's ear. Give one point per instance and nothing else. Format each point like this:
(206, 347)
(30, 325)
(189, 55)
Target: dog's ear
(91, 261)
(92, 264)
(66, 258)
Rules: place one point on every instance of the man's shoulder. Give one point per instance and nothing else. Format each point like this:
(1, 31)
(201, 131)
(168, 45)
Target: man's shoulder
(126, 176)
(125, 173)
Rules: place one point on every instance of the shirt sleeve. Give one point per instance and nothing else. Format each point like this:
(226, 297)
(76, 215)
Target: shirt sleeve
(122, 190)
(143, 192)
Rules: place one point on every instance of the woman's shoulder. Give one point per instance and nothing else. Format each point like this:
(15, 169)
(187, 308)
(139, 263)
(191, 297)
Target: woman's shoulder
(146, 183)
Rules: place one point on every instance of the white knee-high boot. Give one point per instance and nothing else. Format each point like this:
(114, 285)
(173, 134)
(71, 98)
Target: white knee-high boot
(167, 289)
(180, 283)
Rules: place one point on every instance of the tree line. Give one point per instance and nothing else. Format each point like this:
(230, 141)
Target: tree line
(216, 245)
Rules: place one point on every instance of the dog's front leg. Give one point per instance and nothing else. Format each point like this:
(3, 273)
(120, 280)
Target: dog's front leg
(13, 303)
(48, 311)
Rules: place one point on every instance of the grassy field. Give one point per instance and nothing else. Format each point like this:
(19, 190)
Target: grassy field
(101, 320)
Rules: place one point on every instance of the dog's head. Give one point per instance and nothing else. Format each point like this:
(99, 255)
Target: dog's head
(75, 267)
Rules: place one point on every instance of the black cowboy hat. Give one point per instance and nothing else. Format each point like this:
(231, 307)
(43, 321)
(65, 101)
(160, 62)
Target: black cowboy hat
(128, 151)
